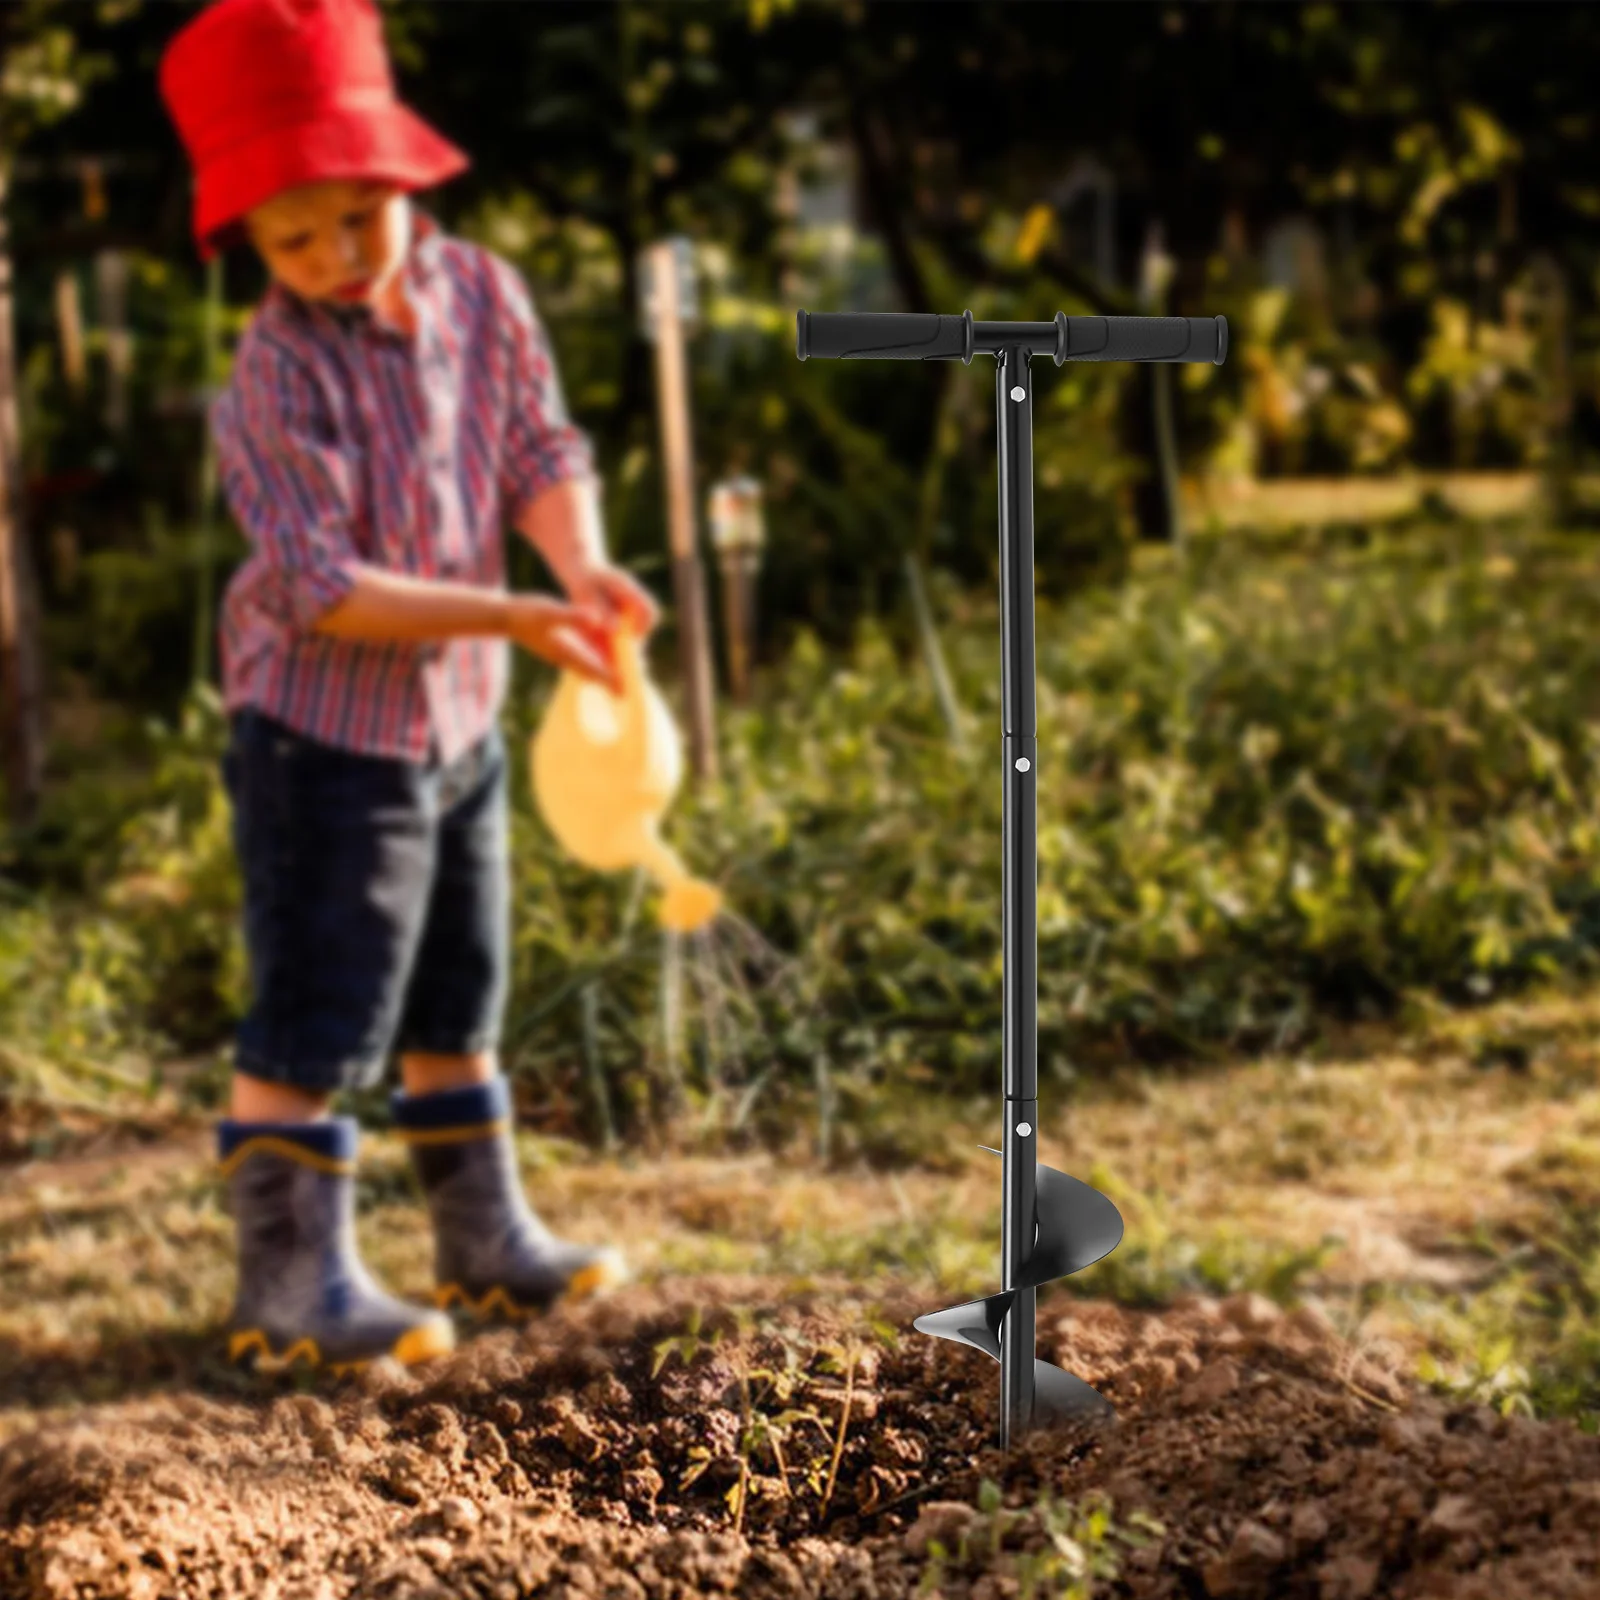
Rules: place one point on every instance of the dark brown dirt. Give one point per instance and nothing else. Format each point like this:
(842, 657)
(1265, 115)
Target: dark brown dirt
(557, 1463)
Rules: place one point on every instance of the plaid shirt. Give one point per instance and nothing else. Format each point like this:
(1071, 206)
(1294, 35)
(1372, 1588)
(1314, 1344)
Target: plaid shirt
(340, 440)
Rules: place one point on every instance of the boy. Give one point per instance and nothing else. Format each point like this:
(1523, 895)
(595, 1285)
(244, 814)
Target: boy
(392, 401)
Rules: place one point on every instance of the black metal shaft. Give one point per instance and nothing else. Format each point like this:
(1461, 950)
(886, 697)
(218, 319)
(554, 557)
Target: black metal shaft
(1019, 832)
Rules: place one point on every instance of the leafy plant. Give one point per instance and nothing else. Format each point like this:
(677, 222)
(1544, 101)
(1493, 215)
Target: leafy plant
(1069, 1546)
(1525, 1340)
(779, 1400)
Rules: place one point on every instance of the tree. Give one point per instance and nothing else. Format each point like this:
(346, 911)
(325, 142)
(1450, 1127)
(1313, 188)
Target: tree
(41, 80)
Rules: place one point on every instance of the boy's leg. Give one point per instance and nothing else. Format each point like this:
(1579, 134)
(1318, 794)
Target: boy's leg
(449, 1030)
(336, 853)
(422, 1073)
(492, 1254)
(259, 1100)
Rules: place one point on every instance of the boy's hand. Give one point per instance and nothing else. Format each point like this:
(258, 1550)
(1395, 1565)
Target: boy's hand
(573, 637)
(615, 594)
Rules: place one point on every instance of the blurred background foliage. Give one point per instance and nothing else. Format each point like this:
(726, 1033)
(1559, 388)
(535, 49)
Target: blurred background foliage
(1384, 253)
(1276, 789)
(1287, 783)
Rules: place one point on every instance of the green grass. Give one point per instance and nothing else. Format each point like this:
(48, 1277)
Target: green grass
(1275, 791)
(1527, 1340)
(1077, 1545)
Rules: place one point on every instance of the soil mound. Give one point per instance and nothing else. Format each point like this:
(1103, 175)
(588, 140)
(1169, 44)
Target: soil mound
(728, 1436)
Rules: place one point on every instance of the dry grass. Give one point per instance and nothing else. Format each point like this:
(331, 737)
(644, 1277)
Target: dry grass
(1416, 1155)
(1289, 502)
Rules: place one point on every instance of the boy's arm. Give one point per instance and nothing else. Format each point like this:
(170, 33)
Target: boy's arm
(563, 524)
(293, 490)
(548, 480)
(385, 605)
(287, 481)
(381, 604)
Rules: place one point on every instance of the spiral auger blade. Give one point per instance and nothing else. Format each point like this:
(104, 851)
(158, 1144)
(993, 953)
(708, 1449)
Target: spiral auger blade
(1074, 1227)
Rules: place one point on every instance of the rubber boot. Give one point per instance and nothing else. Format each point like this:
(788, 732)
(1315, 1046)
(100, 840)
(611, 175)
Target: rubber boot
(494, 1259)
(303, 1294)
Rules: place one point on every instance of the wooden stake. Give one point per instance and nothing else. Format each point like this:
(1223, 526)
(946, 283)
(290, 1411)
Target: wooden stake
(678, 474)
(736, 587)
(69, 327)
(21, 699)
(111, 282)
(749, 570)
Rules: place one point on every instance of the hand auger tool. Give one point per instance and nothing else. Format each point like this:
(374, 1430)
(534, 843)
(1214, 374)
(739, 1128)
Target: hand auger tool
(1052, 1225)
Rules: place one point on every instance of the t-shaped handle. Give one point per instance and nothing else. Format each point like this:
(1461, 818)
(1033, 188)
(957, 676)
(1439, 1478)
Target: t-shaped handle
(917, 336)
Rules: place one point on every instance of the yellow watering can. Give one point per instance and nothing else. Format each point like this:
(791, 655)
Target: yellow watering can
(605, 769)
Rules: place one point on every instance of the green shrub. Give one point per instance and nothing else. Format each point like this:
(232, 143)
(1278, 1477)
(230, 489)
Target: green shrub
(1271, 790)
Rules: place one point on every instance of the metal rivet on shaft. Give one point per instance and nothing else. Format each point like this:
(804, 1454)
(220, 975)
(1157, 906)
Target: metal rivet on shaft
(1024, 1129)
(1019, 393)
(1022, 763)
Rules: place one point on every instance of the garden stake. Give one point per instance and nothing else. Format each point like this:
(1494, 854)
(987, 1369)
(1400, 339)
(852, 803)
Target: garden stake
(1052, 1225)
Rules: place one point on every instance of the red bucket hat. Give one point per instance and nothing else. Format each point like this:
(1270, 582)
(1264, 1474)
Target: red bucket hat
(268, 94)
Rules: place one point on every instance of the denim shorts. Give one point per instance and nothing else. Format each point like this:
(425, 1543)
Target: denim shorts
(376, 904)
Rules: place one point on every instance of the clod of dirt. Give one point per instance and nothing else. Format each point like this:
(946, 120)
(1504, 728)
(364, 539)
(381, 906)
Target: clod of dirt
(1253, 1555)
(602, 1453)
(944, 1521)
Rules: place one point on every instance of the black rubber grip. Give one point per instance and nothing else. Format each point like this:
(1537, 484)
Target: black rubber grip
(1141, 338)
(883, 336)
